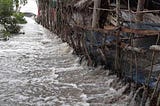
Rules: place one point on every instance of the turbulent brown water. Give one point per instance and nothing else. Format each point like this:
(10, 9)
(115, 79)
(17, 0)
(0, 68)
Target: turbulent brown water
(38, 69)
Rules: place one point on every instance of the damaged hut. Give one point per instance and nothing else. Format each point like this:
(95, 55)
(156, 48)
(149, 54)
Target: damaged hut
(121, 35)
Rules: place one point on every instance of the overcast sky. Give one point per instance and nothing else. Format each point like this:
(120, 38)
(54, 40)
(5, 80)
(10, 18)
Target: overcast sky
(31, 6)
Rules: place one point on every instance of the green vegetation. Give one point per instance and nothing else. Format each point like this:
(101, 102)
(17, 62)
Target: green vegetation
(10, 17)
(18, 2)
(19, 18)
(6, 8)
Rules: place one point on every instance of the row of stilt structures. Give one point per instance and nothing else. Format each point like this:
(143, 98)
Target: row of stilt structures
(120, 35)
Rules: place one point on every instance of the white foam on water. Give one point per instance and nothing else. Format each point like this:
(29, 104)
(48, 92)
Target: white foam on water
(58, 70)
(82, 104)
(30, 67)
(54, 72)
(84, 97)
(120, 91)
(67, 84)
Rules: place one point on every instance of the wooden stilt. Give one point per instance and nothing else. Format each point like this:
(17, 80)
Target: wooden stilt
(117, 56)
(140, 7)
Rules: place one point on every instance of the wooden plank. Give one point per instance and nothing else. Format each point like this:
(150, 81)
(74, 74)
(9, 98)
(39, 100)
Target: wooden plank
(145, 11)
(140, 31)
(133, 49)
(155, 48)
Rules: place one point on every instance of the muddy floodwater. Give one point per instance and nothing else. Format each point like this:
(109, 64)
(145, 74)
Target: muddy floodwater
(38, 69)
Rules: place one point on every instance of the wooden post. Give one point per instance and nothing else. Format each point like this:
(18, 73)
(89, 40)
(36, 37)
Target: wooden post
(47, 14)
(95, 24)
(95, 21)
(118, 12)
(140, 7)
(158, 101)
(117, 56)
(43, 13)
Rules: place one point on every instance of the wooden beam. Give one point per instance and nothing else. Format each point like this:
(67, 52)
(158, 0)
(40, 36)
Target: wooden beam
(134, 12)
(107, 29)
(103, 9)
(140, 31)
